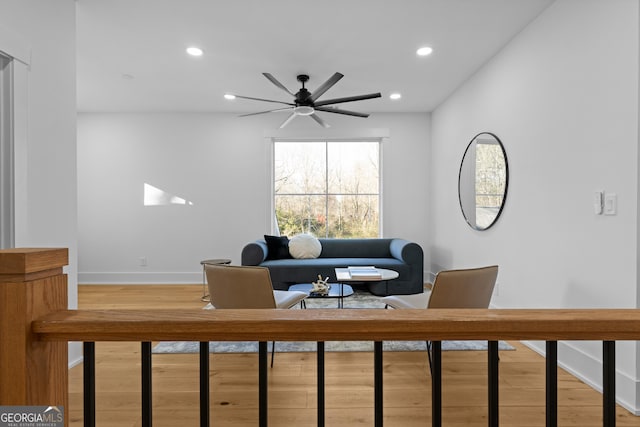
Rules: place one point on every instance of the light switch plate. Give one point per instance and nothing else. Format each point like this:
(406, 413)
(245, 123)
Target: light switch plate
(610, 204)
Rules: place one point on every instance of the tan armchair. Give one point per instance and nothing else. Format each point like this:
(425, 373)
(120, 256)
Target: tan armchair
(470, 288)
(247, 288)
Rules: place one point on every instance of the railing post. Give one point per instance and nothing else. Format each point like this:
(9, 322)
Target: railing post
(609, 383)
(32, 284)
(436, 383)
(205, 395)
(263, 403)
(378, 383)
(494, 405)
(552, 383)
(146, 377)
(320, 385)
(89, 383)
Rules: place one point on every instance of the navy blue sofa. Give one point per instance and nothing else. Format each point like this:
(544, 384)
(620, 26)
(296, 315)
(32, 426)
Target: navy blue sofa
(399, 255)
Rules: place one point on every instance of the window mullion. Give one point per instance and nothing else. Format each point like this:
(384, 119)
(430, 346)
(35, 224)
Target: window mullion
(326, 188)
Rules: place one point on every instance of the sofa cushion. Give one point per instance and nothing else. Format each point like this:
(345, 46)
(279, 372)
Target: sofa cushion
(304, 246)
(356, 248)
(278, 247)
(333, 262)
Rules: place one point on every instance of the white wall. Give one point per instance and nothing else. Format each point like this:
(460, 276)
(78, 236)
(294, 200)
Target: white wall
(220, 163)
(46, 196)
(563, 98)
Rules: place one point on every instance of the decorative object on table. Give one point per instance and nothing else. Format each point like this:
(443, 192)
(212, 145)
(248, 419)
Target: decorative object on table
(321, 287)
(364, 272)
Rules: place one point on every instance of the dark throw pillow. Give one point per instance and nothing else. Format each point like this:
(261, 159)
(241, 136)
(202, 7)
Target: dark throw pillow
(278, 247)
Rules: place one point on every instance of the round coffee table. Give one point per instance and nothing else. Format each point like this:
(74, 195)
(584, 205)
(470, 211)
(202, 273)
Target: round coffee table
(343, 275)
(337, 290)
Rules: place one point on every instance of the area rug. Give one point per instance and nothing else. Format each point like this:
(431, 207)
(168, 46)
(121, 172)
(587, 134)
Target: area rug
(177, 347)
(360, 299)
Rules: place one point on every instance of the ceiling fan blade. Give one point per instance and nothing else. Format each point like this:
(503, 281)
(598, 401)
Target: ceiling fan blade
(263, 112)
(325, 86)
(277, 83)
(262, 99)
(321, 122)
(348, 99)
(340, 111)
(286, 122)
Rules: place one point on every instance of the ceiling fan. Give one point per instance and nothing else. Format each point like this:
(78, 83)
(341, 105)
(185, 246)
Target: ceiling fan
(306, 103)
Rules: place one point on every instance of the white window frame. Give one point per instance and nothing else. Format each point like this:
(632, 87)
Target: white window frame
(18, 49)
(7, 181)
(274, 140)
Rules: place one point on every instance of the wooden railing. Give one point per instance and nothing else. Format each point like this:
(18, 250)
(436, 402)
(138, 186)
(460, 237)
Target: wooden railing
(32, 284)
(351, 325)
(46, 331)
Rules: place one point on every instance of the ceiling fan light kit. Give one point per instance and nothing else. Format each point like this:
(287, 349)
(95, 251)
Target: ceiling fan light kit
(304, 102)
(303, 110)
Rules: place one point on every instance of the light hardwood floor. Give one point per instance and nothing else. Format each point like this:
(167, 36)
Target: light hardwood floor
(292, 386)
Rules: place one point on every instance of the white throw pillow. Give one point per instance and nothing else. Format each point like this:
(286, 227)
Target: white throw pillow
(304, 246)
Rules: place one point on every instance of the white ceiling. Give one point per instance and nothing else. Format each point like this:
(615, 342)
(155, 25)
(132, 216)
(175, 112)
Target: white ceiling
(371, 42)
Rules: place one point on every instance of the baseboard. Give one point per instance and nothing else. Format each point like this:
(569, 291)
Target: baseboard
(429, 276)
(75, 354)
(140, 278)
(75, 362)
(589, 370)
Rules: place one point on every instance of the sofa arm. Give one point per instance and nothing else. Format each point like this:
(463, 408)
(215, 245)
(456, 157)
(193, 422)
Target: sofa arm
(254, 253)
(406, 251)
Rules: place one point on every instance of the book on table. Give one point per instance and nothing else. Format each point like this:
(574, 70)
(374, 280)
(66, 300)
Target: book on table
(364, 272)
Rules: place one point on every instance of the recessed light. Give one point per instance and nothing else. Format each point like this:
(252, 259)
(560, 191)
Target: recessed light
(395, 96)
(194, 51)
(229, 96)
(424, 51)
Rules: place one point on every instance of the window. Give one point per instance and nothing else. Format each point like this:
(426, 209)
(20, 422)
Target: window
(7, 211)
(327, 188)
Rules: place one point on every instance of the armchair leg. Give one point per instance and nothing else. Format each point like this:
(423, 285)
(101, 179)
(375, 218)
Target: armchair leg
(429, 357)
(273, 351)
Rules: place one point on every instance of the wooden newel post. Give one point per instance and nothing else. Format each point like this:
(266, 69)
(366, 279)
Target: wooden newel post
(32, 284)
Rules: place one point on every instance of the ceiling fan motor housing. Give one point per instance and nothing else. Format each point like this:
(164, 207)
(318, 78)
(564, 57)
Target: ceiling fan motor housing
(302, 97)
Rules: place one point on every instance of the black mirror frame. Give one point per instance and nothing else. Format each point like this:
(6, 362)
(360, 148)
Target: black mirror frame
(506, 185)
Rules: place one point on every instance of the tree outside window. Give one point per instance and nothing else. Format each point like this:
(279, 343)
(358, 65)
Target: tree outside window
(327, 188)
(490, 181)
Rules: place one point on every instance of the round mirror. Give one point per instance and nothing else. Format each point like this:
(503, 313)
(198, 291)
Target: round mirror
(482, 182)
